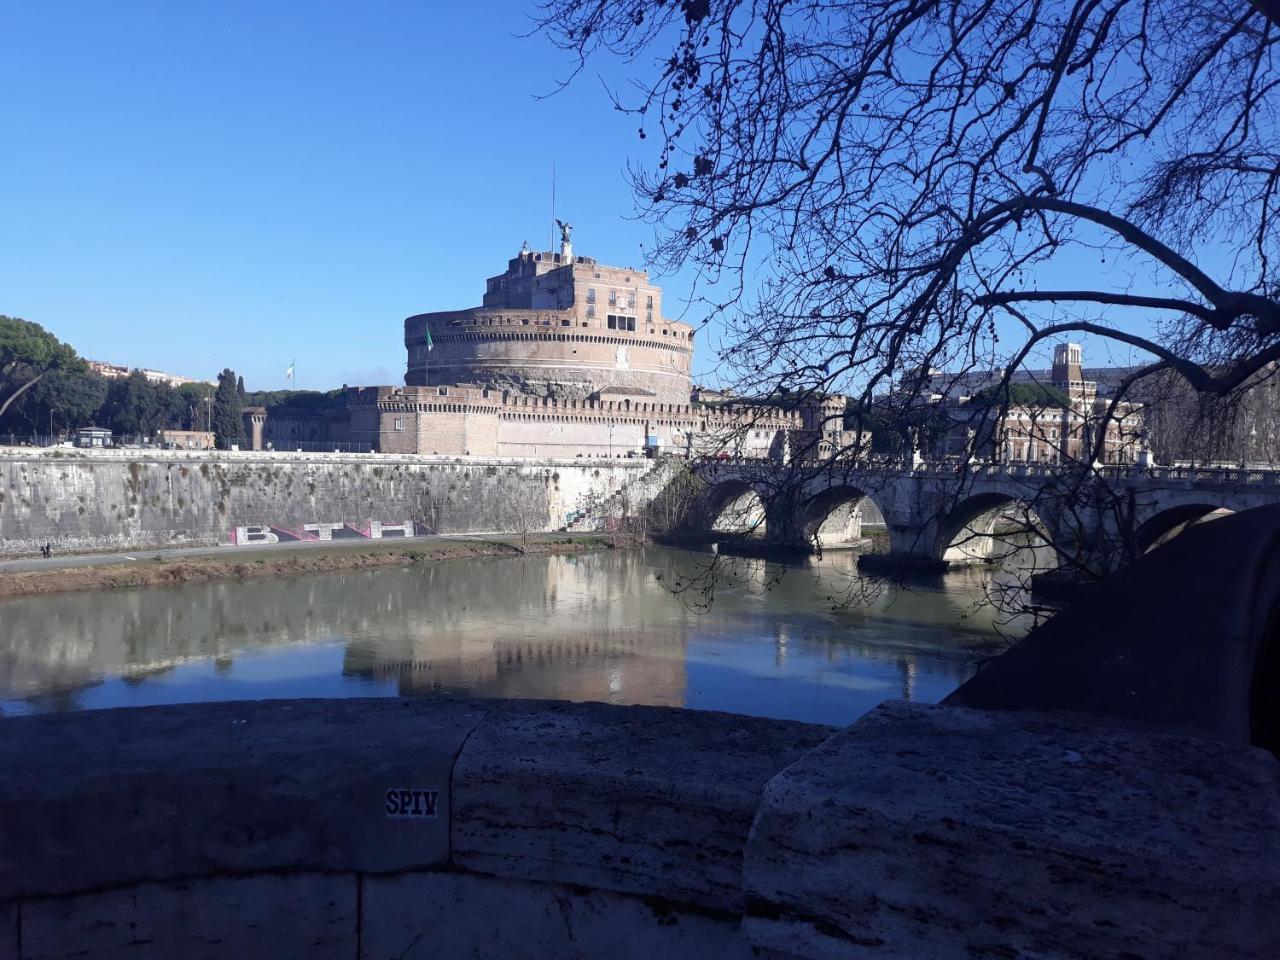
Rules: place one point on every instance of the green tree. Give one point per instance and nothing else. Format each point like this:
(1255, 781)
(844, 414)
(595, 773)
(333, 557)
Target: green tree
(28, 353)
(308, 399)
(62, 399)
(1022, 394)
(196, 401)
(137, 406)
(228, 427)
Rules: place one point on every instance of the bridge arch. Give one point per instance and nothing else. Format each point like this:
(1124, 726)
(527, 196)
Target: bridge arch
(970, 531)
(733, 507)
(1167, 522)
(835, 517)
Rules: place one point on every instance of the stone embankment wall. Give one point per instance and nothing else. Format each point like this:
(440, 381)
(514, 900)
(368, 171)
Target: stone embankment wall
(122, 499)
(509, 829)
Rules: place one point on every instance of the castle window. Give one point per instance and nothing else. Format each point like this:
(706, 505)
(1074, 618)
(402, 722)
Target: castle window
(649, 318)
(564, 323)
(613, 298)
(399, 423)
(591, 311)
(631, 323)
(649, 302)
(613, 322)
(591, 295)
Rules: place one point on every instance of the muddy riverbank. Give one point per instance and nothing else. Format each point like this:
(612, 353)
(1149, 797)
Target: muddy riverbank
(229, 564)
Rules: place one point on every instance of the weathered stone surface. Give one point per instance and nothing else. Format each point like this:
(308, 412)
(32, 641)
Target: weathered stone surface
(426, 916)
(122, 499)
(9, 929)
(643, 800)
(298, 915)
(940, 832)
(122, 796)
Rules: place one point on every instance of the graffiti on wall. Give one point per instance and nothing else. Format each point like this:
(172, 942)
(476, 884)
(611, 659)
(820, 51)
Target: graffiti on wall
(269, 533)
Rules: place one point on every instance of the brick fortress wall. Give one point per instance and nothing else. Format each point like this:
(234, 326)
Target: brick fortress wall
(462, 421)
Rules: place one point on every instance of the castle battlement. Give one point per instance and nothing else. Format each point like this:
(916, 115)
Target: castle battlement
(504, 404)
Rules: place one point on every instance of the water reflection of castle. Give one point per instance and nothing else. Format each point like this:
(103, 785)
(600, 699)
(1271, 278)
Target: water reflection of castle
(614, 669)
(583, 633)
(572, 627)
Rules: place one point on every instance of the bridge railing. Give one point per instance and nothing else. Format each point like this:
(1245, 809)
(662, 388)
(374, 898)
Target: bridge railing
(1248, 476)
(1245, 476)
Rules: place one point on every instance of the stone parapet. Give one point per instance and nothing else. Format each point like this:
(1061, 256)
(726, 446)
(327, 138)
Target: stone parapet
(133, 796)
(946, 833)
(57, 455)
(527, 829)
(330, 828)
(646, 801)
(429, 915)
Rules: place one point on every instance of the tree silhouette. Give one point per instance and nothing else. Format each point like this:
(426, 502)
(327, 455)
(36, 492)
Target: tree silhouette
(912, 179)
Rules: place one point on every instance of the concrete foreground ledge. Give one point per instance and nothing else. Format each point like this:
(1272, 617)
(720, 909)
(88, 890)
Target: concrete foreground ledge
(511, 829)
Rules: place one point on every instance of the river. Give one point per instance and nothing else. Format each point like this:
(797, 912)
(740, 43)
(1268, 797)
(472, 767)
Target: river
(599, 626)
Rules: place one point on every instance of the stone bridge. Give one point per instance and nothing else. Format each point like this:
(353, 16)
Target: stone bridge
(950, 512)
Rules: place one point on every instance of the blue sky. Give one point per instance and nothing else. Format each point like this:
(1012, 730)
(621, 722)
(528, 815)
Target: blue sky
(198, 184)
(206, 183)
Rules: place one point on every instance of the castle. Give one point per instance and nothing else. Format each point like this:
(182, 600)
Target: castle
(565, 357)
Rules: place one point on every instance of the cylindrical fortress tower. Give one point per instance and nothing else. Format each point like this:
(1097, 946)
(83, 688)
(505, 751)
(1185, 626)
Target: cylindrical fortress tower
(560, 326)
